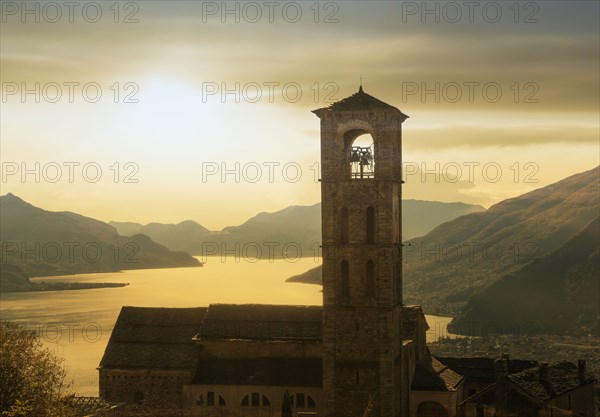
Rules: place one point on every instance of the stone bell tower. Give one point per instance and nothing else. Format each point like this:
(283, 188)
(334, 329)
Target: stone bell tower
(362, 273)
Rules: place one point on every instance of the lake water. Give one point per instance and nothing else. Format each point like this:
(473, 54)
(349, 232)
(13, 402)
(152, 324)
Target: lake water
(77, 324)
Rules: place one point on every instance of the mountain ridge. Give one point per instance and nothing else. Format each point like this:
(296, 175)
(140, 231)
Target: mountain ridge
(41, 242)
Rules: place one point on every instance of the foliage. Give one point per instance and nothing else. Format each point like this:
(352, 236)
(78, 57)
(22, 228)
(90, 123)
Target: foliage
(32, 379)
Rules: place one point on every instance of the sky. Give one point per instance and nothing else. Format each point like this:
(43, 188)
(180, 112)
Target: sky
(156, 111)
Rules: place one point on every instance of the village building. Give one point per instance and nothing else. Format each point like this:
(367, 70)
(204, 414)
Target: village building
(363, 353)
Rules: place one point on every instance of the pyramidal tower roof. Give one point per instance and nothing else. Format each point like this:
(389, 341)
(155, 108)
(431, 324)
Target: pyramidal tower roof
(358, 101)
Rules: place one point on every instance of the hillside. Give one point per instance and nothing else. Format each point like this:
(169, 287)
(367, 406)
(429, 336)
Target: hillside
(420, 217)
(443, 269)
(556, 294)
(41, 242)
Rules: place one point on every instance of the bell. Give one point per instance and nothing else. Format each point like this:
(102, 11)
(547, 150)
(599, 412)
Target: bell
(354, 157)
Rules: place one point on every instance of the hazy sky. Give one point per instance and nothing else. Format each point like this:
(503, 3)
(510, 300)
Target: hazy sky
(201, 110)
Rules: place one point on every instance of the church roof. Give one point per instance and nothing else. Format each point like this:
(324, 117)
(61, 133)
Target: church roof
(289, 372)
(262, 322)
(163, 338)
(562, 377)
(358, 101)
(154, 338)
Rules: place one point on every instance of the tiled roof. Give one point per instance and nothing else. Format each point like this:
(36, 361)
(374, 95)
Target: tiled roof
(162, 338)
(154, 338)
(562, 377)
(86, 406)
(482, 369)
(358, 101)
(262, 322)
(290, 372)
(432, 375)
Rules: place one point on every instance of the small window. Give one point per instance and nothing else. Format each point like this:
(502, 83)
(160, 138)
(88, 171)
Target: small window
(311, 402)
(200, 400)
(210, 398)
(255, 399)
(265, 401)
(300, 400)
(221, 401)
(245, 401)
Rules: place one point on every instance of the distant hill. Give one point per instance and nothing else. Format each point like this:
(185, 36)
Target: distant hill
(420, 217)
(457, 259)
(294, 229)
(12, 278)
(181, 236)
(40, 242)
(559, 293)
(126, 228)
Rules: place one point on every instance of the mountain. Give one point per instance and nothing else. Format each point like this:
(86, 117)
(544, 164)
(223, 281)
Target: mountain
(295, 230)
(457, 259)
(126, 228)
(420, 217)
(292, 232)
(179, 236)
(557, 294)
(41, 242)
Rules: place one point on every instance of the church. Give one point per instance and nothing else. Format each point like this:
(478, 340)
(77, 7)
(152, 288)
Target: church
(363, 353)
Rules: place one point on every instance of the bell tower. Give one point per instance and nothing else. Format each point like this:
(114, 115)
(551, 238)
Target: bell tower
(361, 189)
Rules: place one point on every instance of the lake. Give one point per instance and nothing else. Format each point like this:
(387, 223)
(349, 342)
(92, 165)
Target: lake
(77, 324)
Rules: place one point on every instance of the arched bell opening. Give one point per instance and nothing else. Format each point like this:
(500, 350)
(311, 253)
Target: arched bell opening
(360, 153)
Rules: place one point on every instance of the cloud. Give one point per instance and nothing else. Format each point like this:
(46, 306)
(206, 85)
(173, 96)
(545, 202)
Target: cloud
(460, 136)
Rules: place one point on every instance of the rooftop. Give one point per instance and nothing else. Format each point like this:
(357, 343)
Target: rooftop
(155, 338)
(482, 369)
(359, 101)
(262, 322)
(562, 377)
(432, 375)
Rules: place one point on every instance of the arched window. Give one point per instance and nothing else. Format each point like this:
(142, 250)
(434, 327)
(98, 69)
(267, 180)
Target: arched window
(370, 279)
(254, 399)
(344, 225)
(370, 236)
(303, 400)
(344, 280)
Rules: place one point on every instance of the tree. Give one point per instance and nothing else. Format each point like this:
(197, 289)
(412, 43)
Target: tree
(32, 378)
